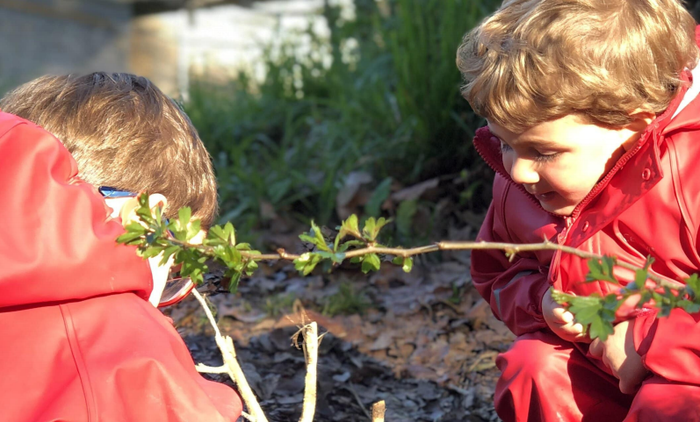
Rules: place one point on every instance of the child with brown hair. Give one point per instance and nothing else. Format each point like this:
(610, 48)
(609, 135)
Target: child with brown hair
(592, 115)
(127, 137)
(81, 342)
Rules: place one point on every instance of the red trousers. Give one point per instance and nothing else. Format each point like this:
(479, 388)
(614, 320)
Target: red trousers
(545, 378)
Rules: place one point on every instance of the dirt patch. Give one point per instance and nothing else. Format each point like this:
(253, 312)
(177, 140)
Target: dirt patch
(424, 342)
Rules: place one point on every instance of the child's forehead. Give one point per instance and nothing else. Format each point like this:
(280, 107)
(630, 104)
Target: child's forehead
(539, 136)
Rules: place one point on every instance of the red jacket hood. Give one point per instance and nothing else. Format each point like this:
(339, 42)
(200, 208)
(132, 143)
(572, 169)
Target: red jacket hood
(58, 243)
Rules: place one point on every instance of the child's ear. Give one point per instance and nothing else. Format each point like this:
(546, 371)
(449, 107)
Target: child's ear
(640, 120)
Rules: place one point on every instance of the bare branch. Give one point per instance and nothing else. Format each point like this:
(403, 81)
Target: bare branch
(228, 351)
(311, 353)
(378, 410)
(204, 369)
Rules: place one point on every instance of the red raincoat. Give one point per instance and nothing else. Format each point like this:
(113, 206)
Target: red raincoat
(647, 205)
(78, 339)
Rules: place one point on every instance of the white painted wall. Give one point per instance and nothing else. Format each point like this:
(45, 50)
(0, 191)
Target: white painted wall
(227, 38)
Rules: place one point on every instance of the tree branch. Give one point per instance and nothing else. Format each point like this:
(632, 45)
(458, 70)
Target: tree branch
(228, 351)
(378, 410)
(310, 332)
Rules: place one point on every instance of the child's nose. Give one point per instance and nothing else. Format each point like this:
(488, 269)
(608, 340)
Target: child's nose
(522, 172)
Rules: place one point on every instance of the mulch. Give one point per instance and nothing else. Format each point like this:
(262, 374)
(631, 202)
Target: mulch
(424, 342)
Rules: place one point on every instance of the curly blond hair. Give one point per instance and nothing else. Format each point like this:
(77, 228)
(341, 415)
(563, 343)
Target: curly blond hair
(537, 60)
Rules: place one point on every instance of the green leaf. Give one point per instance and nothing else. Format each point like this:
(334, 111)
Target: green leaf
(640, 278)
(135, 228)
(406, 263)
(152, 251)
(307, 262)
(230, 233)
(371, 263)
(600, 328)
(368, 230)
(601, 270)
(594, 312)
(193, 229)
(184, 215)
(345, 245)
(351, 224)
(251, 267)
(380, 194)
(216, 233)
(692, 286)
(372, 227)
(404, 217)
(348, 226)
(168, 252)
(130, 239)
(335, 257)
(315, 237)
(689, 307)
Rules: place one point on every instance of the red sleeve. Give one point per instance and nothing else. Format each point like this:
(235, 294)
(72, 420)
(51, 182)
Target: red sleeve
(669, 346)
(514, 289)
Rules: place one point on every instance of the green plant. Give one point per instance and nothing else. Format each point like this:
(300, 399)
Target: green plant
(388, 103)
(276, 304)
(346, 301)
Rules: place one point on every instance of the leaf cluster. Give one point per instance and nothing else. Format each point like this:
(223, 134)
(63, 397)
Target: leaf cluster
(155, 236)
(598, 313)
(336, 252)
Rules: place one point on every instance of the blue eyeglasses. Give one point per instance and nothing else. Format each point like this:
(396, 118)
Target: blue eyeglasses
(110, 192)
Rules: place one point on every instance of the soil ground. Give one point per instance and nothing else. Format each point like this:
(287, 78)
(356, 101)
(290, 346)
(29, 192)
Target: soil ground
(424, 342)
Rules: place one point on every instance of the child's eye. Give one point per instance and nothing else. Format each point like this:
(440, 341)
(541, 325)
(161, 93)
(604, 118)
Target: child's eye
(543, 158)
(505, 147)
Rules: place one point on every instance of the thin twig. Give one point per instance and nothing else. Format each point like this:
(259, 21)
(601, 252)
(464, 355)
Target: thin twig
(358, 400)
(228, 351)
(511, 248)
(378, 410)
(204, 369)
(311, 353)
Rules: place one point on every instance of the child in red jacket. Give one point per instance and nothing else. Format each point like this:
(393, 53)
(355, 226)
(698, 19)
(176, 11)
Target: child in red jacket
(79, 339)
(593, 132)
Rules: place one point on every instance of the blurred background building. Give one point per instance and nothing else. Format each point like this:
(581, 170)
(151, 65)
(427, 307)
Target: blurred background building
(161, 39)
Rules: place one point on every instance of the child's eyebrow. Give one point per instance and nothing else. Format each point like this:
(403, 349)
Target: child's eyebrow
(539, 143)
(530, 142)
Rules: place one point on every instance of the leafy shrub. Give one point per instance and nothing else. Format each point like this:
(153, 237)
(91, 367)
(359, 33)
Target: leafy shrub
(389, 106)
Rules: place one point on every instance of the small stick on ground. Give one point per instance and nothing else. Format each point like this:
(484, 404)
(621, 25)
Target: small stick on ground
(378, 410)
(310, 332)
(233, 369)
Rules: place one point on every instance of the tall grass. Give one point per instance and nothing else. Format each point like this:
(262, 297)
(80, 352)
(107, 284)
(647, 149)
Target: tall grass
(393, 109)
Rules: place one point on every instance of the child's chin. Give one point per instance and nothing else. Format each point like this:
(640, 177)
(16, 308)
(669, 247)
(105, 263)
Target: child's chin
(563, 211)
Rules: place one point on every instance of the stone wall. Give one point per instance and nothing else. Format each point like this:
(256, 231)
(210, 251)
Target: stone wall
(61, 36)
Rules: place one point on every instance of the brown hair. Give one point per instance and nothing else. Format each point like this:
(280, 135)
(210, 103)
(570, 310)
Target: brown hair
(124, 133)
(537, 60)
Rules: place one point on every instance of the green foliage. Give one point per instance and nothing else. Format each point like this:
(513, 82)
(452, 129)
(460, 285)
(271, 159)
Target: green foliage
(594, 312)
(388, 103)
(277, 304)
(346, 301)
